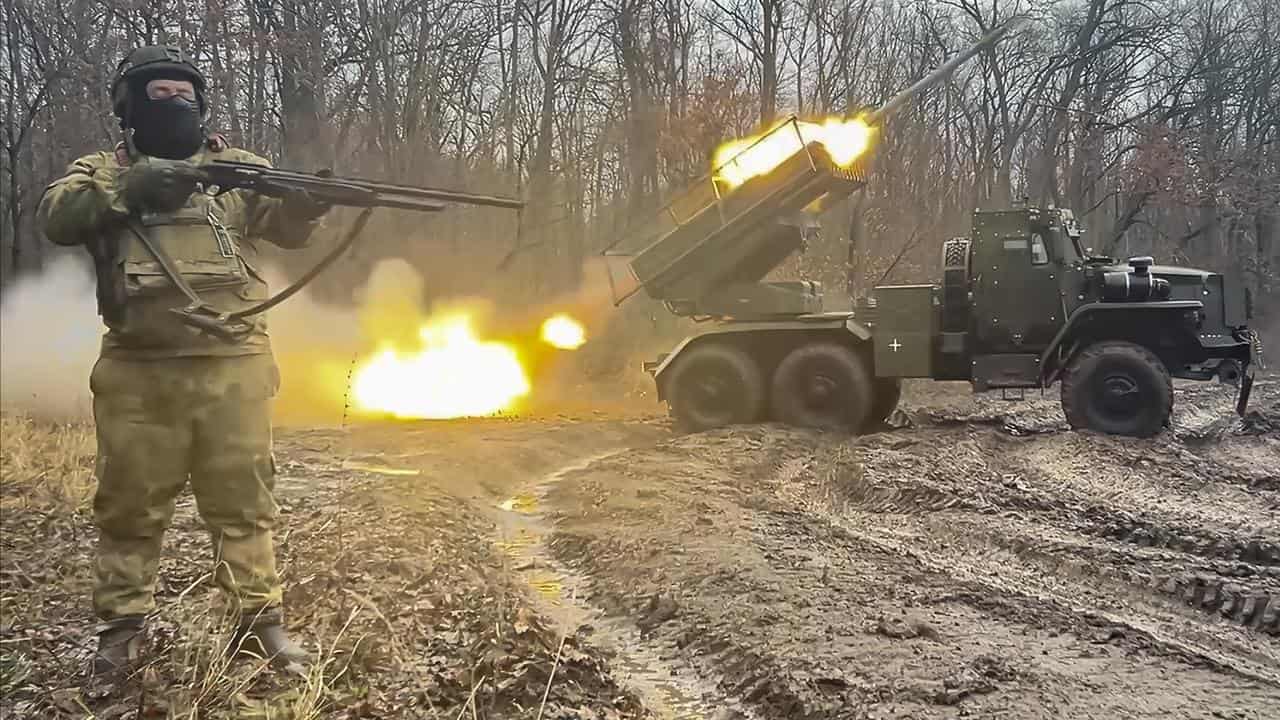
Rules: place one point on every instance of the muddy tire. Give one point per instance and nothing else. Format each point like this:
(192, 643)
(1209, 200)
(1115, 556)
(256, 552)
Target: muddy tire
(886, 392)
(713, 385)
(1117, 388)
(822, 385)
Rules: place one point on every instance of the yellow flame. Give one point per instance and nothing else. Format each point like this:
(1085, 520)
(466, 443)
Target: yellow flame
(563, 332)
(454, 374)
(737, 161)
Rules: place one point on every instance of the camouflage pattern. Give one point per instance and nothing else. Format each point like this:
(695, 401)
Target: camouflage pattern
(171, 405)
(215, 241)
(160, 422)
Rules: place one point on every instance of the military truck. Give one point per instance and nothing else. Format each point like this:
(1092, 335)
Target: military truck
(1022, 304)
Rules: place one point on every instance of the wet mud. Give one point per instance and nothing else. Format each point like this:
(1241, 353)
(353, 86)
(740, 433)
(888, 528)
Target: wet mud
(983, 560)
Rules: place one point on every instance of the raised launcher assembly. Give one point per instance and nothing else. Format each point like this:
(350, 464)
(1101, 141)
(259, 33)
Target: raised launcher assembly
(706, 253)
(1021, 306)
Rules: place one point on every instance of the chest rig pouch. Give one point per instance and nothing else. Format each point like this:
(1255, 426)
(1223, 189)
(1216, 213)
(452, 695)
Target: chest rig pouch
(205, 251)
(208, 255)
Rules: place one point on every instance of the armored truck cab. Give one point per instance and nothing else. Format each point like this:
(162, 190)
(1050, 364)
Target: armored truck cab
(1022, 305)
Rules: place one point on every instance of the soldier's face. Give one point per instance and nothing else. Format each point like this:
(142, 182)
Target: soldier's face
(163, 89)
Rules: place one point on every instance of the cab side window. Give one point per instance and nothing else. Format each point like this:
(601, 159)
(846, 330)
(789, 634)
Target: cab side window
(1039, 255)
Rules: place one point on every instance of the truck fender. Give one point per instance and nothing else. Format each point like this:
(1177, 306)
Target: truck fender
(1054, 362)
(839, 322)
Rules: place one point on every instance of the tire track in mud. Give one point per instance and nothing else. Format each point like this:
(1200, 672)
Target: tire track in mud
(1158, 553)
(1225, 561)
(790, 613)
(1234, 578)
(1162, 517)
(950, 569)
(991, 568)
(667, 686)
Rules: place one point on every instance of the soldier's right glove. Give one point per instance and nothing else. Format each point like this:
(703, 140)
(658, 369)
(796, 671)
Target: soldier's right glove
(299, 205)
(158, 185)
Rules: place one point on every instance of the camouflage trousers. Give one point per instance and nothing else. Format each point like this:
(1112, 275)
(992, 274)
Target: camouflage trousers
(160, 424)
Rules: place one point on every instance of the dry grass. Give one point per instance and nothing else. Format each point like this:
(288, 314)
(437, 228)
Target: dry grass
(46, 486)
(408, 608)
(45, 466)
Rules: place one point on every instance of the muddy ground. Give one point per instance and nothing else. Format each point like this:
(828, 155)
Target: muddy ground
(981, 561)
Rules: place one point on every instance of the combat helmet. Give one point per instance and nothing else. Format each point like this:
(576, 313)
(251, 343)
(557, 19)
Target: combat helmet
(148, 62)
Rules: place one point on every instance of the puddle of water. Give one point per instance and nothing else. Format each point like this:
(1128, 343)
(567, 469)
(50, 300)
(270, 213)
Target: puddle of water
(549, 587)
(522, 503)
(668, 687)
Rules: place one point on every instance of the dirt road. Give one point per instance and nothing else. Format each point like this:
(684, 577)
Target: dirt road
(982, 561)
(985, 562)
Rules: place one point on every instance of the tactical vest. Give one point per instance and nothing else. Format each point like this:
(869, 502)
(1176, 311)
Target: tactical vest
(212, 256)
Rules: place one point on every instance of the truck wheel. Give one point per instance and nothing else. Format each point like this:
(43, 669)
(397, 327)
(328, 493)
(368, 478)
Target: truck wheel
(1117, 388)
(713, 385)
(822, 385)
(886, 392)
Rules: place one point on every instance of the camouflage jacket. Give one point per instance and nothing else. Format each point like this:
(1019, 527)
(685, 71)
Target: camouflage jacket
(215, 242)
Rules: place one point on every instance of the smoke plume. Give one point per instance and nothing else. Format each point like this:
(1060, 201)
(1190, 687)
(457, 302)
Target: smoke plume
(49, 339)
(52, 334)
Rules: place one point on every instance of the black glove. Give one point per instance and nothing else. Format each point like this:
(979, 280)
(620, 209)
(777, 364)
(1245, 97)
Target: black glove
(300, 205)
(158, 185)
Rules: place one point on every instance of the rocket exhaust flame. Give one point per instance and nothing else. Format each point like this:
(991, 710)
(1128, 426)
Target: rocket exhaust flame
(739, 160)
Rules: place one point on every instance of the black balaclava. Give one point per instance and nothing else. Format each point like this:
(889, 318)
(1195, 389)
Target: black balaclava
(171, 128)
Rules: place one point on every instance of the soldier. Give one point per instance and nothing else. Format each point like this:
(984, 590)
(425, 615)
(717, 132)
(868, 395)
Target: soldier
(172, 405)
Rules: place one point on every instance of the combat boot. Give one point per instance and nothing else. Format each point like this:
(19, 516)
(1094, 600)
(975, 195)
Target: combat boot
(262, 635)
(119, 644)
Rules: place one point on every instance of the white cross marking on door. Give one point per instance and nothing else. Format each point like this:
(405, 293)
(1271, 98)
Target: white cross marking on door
(895, 344)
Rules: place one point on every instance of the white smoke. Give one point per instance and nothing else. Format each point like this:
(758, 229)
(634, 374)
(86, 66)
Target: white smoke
(50, 334)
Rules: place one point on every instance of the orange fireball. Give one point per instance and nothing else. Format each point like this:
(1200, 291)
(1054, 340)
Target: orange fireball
(453, 374)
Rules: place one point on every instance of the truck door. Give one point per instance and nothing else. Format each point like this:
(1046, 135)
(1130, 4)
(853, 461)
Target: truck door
(1018, 301)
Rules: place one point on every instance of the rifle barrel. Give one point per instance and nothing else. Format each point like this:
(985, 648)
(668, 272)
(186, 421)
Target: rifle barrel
(386, 190)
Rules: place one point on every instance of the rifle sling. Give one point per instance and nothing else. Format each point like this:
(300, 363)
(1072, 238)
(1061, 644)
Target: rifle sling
(170, 270)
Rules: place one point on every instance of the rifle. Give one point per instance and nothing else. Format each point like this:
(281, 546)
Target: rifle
(223, 176)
